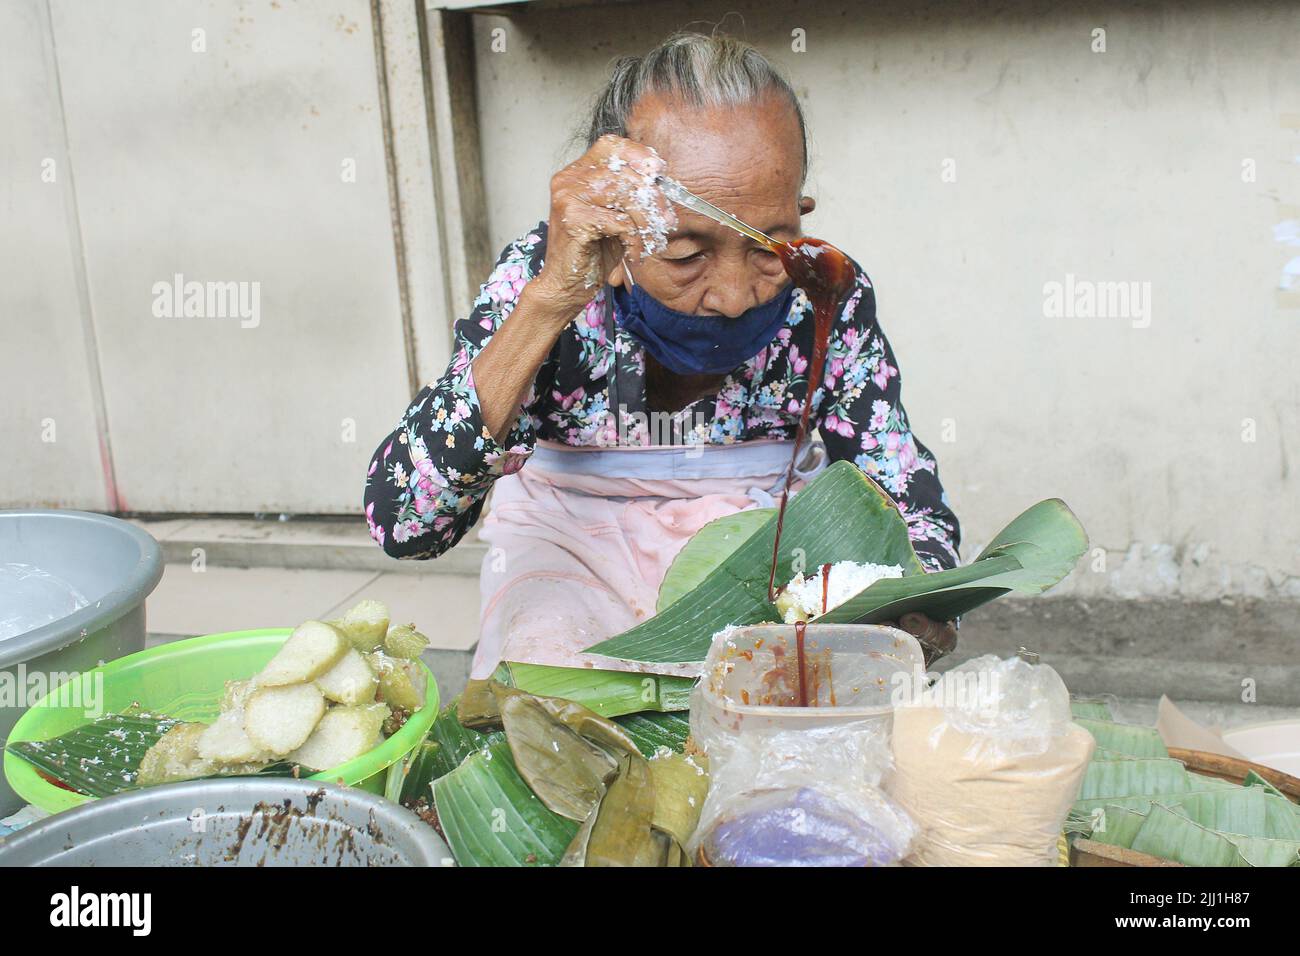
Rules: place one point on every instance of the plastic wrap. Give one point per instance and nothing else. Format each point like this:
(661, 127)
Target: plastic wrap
(31, 598)
(805, 797)
(988, 762)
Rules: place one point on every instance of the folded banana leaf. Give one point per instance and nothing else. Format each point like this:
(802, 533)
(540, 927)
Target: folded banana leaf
(567, 771)
(608, 693)
(840, 516)
(576, 766)
(1127, 739)
(491, 818)
(1107, 779)
(1154, 805)
(1090, 708)
(1172, 836)
(622, 831)
(653, 732)
(1255, 780)
(680, 785)
(1116, 826)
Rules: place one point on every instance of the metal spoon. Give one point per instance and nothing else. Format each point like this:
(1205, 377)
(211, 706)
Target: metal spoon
(679, 194)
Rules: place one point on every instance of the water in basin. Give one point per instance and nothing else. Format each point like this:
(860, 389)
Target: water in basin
(31, 598)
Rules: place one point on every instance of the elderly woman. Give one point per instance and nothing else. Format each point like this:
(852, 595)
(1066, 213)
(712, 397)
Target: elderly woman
(630, 372)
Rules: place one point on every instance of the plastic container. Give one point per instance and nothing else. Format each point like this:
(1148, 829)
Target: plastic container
(185, 679)
(853, 672)
(114, 564)
(236, 821)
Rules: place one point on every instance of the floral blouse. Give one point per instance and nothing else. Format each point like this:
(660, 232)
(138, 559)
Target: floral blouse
(428, 480)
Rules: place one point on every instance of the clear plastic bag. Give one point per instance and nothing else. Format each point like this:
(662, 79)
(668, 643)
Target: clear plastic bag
(988, 762)
(805, 797)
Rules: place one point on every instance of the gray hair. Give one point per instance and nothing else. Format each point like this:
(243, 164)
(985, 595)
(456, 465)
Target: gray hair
(701, 70)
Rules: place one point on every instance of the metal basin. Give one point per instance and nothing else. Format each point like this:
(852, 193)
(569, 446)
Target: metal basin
(113, 564)
(247, 821)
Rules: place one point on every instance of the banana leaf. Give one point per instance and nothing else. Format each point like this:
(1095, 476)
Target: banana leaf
(709, 547)
(622, 832)
(491, 818)
(444, 747)
(1255, 780)
(102, 758)
(1125, 738)
(652, 732)
(1116, 826)
(568, 771)
(608, 693)
(680, 783)
(1091, 708)
(1246, 811)
(1242, 821)
(1105, 779)
(1172, 836)
(843, 516)
(1202, 781)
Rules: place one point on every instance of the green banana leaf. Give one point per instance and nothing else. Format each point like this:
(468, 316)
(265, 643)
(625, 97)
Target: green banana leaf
(1172, 836)
(1201, 781)
(652, 732)
(681, 783)
(622, 831)
(1090, 708)
(608, 693)
(568, 771)
(1262, 838)
(491, 818)
(1116, 826)
(1255, 780)
(1246, 811)
(1106, 779)
(1154, 805)
(1127, 739)
(710, 546)
(102, 758)
(842, 516)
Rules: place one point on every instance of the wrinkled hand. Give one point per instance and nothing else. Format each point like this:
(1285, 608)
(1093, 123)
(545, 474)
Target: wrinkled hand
(604, 205)
(937, 638)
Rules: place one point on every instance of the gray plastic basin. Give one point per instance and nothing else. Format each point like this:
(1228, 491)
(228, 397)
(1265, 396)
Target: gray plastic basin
(113, 564)
(248, 821)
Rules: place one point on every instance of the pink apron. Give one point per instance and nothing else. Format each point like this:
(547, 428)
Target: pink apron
(580, 538)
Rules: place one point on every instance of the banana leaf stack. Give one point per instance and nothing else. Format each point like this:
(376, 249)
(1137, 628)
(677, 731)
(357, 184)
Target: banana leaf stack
(1136, 796)
(513, 778)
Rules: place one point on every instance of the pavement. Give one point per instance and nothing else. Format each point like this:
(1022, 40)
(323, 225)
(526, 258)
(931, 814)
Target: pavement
(1224, 663)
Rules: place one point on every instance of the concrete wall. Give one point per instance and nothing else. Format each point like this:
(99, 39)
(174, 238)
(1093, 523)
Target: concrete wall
(1171, 160)
(223, 142)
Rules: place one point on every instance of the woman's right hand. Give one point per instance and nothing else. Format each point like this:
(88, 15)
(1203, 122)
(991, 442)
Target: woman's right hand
(604, 205)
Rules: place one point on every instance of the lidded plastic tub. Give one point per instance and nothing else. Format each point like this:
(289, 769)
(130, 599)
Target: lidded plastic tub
(852, 672)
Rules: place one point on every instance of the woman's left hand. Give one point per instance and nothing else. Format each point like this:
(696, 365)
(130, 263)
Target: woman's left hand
(937, 638)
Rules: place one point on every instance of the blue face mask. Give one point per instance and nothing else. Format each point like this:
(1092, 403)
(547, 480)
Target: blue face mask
(699, 344)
